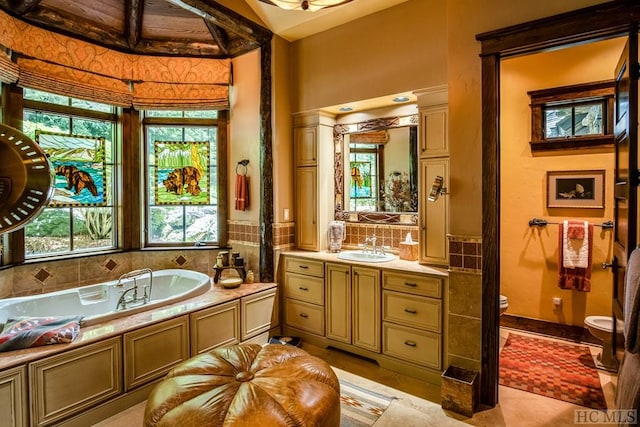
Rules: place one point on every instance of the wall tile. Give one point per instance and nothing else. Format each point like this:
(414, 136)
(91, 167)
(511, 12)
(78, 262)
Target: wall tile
(465, 294)
(465, 336)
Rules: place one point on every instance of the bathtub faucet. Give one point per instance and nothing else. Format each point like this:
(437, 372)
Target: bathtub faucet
(130, 296)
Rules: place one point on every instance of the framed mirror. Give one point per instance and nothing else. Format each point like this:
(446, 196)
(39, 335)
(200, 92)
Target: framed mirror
(376, 170)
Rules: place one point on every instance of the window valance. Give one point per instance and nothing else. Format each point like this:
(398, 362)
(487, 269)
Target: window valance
(63, 65)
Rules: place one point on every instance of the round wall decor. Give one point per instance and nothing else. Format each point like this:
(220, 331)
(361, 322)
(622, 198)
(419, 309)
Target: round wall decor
(26, 179)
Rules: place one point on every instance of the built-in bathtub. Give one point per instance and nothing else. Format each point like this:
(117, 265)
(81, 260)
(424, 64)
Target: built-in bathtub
(97, 303)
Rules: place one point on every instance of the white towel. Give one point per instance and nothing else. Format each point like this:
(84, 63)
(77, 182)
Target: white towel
(575, 252)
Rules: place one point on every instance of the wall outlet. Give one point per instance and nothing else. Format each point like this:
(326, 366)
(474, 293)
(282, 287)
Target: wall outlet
(285, 214)
(557, 303)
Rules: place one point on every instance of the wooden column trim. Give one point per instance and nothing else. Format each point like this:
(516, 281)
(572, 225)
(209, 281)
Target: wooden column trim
(266, 167)
(223, 174)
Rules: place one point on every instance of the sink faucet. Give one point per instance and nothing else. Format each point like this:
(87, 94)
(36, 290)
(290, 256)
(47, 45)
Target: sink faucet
(365, 246)
(135, 274)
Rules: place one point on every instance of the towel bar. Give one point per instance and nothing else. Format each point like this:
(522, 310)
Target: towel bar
(542, 222)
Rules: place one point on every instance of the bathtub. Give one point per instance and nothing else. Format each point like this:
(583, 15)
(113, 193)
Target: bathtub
(97, 303)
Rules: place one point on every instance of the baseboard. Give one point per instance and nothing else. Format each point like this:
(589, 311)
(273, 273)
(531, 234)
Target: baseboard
(543, 327)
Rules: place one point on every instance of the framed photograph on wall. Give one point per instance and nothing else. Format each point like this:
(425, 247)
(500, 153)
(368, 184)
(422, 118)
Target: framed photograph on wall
(575, 189)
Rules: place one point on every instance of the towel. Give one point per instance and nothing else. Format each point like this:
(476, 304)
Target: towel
(242, 192)
(574, 263)
(26, 332)
(632, 303)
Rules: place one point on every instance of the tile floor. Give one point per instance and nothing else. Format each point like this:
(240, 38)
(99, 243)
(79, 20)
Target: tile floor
(516, 408)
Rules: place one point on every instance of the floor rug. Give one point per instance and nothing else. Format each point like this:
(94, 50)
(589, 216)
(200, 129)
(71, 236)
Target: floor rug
(554, 369)
(360, 407)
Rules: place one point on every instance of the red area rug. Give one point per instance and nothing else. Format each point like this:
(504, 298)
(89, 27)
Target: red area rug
(554, 369)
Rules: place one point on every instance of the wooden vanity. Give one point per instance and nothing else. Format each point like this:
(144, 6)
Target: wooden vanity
(391, 312)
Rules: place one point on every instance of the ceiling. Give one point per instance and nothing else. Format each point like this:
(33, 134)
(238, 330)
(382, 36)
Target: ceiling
(214, 29)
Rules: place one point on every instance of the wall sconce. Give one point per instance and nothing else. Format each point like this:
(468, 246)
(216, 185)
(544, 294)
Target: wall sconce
(437, 189)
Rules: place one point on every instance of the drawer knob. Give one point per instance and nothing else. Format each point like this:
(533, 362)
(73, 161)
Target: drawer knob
(304, 267)
(303, 289)
(411, 285)
(410, 310)
(410, 343)
(305, 315)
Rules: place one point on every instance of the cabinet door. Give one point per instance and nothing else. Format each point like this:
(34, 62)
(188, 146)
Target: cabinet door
(13, 397)
(338, 305)
(259, 313)
(150, 352)
(366, 308)
(306, 208)
(434, 216)
(433, 132)
(215, 327)
(306, 149)
(70, 382)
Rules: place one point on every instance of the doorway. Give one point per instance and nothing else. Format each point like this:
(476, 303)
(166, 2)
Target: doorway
(610, 20)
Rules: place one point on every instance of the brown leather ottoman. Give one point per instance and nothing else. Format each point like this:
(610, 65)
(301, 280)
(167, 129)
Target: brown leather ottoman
(247, 385)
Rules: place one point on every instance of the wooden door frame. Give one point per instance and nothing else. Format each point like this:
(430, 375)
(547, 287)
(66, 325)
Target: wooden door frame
(594, 23)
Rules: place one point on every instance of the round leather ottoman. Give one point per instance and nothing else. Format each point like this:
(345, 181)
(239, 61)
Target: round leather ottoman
(247, 385)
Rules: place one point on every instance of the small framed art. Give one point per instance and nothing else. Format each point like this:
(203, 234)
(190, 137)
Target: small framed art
(575, 189)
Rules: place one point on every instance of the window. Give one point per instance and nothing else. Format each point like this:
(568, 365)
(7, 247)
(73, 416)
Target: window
(577, 116)
(364, 161)
(79, 134)
(182, 187)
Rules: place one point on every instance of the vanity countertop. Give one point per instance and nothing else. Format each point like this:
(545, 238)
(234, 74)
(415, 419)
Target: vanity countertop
(396, 264)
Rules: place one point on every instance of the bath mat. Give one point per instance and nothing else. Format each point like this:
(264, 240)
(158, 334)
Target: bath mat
(360, 407)
(563, 371)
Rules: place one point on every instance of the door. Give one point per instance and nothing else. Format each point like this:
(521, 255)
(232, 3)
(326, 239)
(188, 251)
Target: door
(626, 170)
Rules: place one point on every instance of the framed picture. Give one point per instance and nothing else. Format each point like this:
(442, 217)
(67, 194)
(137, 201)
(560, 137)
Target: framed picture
(182, 173)
(78, 164)
(575, 189)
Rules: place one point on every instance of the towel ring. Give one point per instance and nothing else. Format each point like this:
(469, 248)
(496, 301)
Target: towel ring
(244, 164)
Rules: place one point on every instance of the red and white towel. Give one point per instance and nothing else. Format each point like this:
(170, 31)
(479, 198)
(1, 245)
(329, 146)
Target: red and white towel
(575, 248)
(242, 192)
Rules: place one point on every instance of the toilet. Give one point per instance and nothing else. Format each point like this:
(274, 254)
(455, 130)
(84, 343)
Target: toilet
(601, 327)
(504, 304)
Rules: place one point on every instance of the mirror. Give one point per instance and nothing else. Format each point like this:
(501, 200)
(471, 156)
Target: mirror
(436, 189)
(376, 170)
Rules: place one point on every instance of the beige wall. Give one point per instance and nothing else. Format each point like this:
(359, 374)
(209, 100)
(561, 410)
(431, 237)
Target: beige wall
(396, 50)
(244, 131)
(530, 254)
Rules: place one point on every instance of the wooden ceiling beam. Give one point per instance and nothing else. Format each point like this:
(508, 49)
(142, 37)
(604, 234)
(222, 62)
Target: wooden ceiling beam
(20, 7)
(227, 19)
(133, 12)
(218, 36)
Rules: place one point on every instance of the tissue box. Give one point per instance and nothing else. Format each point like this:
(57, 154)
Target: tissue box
(409, 251)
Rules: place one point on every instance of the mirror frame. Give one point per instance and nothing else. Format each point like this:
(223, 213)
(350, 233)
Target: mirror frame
(339, 131)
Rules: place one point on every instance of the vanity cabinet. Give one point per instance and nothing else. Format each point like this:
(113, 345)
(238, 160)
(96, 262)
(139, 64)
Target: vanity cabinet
(13, 397)
(313, 154)
(412, 318)
(353, 305)
(70, 382)
(304, 295)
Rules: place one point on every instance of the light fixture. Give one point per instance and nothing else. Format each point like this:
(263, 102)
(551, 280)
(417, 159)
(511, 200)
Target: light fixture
(310, 5)
(437, 189)
(346, 108)
(400, 99)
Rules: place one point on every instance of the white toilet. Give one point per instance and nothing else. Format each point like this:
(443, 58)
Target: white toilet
(601, 327)
(504, 304)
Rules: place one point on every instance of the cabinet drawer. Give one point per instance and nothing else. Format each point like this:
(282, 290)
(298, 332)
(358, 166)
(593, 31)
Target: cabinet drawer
(304, 316)
(304, 266)
(413, 283)
(421, 347)
(304, 288)
(411, 310)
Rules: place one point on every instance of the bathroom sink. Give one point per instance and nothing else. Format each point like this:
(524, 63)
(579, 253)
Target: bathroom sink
(365, 257)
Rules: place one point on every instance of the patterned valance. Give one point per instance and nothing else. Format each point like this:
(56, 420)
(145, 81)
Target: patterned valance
(66, 66)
